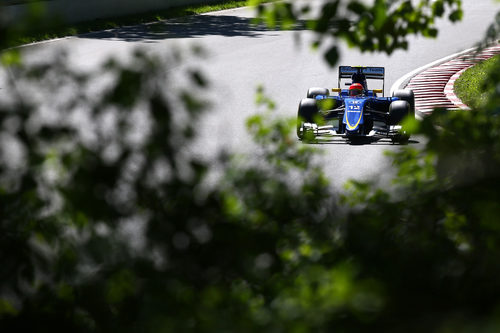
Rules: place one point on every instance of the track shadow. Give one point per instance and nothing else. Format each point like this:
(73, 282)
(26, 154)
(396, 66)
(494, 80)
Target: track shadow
(186, 27)
(374, 141)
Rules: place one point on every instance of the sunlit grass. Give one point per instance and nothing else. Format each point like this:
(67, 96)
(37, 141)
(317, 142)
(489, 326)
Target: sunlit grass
(469, 86)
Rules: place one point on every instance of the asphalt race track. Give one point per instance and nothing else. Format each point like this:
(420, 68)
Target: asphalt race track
(242, 56)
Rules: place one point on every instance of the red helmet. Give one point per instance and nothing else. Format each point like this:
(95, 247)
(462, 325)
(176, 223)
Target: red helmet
(355, 89)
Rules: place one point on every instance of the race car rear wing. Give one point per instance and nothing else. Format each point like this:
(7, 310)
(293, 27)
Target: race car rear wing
(374, 73)
(370, 72)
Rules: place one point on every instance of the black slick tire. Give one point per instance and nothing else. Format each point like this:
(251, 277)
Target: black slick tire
(315, 91)
(308, 109)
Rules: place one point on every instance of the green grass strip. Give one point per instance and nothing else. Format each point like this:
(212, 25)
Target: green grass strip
(50, 29)
(469, 86)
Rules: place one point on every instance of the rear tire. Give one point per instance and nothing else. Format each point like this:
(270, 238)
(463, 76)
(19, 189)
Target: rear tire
(315, 91)
(306, 113)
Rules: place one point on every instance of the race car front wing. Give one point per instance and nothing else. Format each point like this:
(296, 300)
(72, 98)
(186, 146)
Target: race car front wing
(312, 130)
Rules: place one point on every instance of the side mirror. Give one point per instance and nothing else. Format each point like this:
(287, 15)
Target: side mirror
(378, 91)
(337, 90)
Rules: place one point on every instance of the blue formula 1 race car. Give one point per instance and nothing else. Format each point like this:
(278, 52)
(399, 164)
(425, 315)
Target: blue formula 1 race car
(356, 112)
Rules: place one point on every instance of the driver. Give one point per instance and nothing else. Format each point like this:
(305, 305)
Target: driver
(356, 89)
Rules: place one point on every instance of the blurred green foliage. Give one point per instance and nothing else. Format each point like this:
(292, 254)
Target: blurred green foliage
(373, 26)
(108, 224)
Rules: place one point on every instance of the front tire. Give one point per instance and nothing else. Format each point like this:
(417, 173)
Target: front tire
(398, 111)
(408, 96)
(308, 110)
